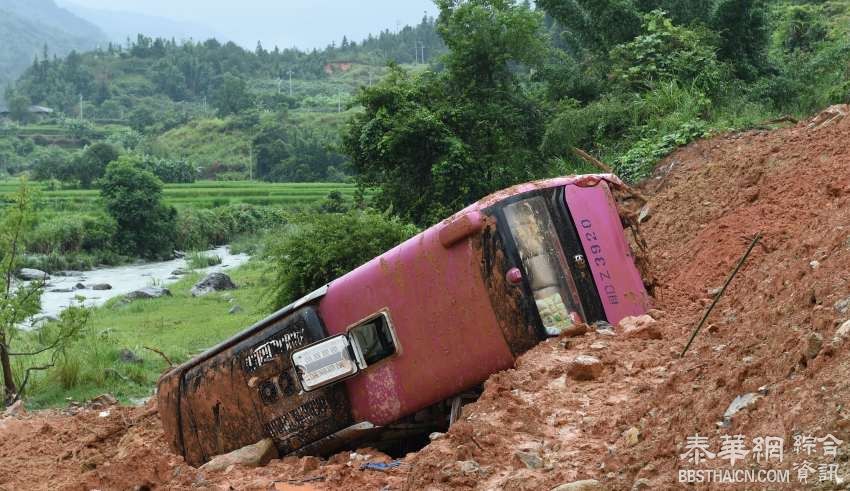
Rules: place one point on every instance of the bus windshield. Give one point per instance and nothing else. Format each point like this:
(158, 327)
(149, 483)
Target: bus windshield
(545, 265)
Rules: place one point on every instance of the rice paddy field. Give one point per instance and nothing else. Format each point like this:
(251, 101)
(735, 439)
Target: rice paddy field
(201, 194)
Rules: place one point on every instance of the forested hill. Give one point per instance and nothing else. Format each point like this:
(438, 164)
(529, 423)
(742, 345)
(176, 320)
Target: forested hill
(26, 26)
(191, 71)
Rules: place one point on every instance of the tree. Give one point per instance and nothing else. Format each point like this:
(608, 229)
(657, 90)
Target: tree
(20, 302)
(133, 197)
(232, 95)
(435, 142)
(19, 107)
(91, 164)
(743, 29)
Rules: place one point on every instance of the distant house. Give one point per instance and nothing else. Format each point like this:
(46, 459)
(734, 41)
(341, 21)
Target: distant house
(37, 111)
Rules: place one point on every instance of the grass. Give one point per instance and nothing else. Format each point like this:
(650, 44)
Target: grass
(200, 194)
(200, 260)
(180, 326)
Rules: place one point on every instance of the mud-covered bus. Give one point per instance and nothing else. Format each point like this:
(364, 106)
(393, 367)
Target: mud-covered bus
(386, 346)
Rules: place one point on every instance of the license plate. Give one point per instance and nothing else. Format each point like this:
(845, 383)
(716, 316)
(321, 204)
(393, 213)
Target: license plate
(325, 362)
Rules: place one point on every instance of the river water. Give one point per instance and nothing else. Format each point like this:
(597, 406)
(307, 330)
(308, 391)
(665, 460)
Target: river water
(123, 279)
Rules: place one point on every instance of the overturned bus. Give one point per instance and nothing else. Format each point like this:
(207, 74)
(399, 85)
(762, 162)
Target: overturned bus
(388, 346)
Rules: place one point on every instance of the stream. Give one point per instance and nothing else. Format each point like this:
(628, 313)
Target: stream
(123, 279)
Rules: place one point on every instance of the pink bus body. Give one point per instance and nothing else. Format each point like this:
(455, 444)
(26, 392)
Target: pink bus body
(427, 320)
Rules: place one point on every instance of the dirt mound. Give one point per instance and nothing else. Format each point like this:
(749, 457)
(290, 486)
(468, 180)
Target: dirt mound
(774, 334)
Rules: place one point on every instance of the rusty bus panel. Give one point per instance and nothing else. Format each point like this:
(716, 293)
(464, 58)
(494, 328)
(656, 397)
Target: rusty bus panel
(249, 392)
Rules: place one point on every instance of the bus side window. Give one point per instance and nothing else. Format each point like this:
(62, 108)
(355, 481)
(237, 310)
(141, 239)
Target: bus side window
(372, 340)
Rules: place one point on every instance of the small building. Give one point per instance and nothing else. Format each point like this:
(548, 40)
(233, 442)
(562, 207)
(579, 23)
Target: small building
(37, 112)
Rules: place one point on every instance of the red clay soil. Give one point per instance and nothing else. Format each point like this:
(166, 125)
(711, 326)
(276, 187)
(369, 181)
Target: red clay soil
(626, 428)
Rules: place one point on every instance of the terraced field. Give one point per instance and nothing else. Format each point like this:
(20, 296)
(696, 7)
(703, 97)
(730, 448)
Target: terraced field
(201, 194)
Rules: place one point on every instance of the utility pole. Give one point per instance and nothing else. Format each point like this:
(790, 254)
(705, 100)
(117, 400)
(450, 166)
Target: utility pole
(279, 82)
(370, 77)
(205, 105)
(290, 83)
(81, 107)
(338, 101)
(415, 52)
(251, 161)
(423, 52)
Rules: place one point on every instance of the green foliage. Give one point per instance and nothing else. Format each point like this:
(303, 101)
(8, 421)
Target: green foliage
(199, 229)
(290, 154)
(231, 96)
(800, 28)
(316, 249)
(91, 164)
(435, 142)
(201, 260)
(664, 52)
(133, 197)
(743, 29)
(18, 107)
(66, 234)
(639, 160)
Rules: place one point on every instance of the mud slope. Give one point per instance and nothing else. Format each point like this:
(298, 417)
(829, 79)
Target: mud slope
(536, 428)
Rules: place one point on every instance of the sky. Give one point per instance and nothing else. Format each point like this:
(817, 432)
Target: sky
(286, 23)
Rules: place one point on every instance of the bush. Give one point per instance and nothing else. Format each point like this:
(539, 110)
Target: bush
(665, 53)
(315, 249)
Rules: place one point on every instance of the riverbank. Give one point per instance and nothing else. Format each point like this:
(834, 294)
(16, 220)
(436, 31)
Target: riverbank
(112, 356)
(62, 291)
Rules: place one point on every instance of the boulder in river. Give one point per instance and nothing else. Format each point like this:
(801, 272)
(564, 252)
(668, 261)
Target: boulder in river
(149, 292)
(79, 286)
(179, 272)
(101, 286)
(212, 283)
(29, 274)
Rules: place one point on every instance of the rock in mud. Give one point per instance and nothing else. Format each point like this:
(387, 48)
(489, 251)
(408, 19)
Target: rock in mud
(841, 335)
(584, 367)
(103, 401)
(101, 286)
(604, 328)
(29, 274)
(255, 455)
(575, 330)
(468, 467)
(212, 283)
(531, 460)
(149, 292)
(843, 306)
(814, 342)
(585, 485)
(631, 436)
(642, 327)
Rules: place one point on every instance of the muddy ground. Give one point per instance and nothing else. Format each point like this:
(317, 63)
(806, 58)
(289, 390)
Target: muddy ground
(773, 333)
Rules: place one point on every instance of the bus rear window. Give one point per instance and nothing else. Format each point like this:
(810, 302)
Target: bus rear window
(545, 267)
